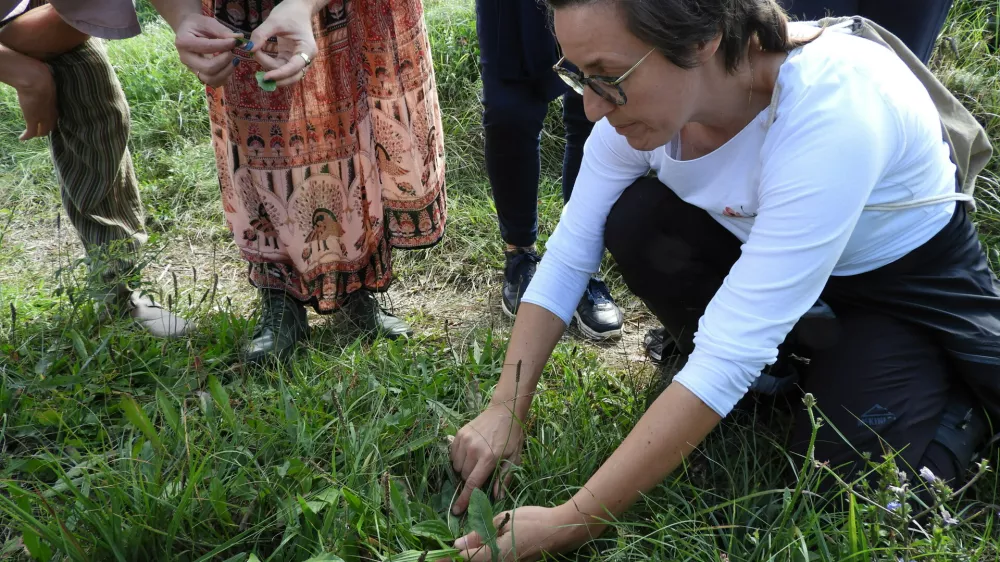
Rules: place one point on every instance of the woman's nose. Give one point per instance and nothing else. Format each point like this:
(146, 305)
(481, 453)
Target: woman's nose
(595, 106)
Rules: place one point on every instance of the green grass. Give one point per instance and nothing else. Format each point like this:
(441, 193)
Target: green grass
(115, 446)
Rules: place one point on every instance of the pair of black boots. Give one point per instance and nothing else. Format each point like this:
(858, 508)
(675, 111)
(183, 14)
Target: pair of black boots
(283, 324)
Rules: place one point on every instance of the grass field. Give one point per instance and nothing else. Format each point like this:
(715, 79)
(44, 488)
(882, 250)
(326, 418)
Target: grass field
(115, 446)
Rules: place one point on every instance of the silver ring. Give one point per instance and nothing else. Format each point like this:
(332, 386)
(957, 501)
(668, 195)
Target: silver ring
(305, 58)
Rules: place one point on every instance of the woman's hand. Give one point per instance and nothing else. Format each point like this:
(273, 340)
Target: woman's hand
(537, 530)
(204, 45)
(494, 437)
(290, 22)
(36, 93)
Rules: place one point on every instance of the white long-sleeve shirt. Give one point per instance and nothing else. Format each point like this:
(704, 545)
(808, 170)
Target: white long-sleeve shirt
(853, 127)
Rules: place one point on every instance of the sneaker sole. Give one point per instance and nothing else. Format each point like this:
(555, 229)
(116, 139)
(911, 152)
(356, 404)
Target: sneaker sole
(592, 334)
(584, 329)
(510, 313)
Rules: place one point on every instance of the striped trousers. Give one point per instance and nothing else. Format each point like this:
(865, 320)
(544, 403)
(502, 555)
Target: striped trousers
(92, 161)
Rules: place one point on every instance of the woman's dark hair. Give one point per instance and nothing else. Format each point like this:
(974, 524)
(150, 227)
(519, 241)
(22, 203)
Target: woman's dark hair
(677, 27)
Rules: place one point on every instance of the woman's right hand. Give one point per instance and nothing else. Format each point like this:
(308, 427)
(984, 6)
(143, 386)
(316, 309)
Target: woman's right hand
(493, 438)
(204, 45)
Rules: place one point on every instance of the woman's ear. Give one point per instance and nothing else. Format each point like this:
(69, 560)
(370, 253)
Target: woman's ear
(707, 49)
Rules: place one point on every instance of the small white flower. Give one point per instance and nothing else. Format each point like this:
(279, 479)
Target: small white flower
(927, 475)
(948, 519)
(896, 490)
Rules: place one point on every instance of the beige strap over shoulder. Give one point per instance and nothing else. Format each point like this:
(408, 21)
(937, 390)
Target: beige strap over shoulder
(970, 147)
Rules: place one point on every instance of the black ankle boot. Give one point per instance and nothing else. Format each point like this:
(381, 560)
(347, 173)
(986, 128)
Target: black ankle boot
(281, 326)
(365, 312)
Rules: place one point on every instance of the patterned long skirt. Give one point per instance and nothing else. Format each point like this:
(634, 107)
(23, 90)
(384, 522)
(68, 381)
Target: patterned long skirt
(322, 179)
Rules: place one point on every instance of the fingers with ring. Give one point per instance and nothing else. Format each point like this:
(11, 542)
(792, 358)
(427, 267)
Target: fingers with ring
(305, 58)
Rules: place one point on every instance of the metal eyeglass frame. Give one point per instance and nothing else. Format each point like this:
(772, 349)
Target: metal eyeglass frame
(577, 80)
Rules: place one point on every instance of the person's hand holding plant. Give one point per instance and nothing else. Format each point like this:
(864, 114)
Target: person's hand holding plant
(204, 45)
(290, 23)
(537, 531)
(494, 439)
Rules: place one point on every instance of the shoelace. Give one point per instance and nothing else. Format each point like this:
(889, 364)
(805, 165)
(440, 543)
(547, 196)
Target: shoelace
(274, 310)
(367, 302)
(598, 293)
(520, 263)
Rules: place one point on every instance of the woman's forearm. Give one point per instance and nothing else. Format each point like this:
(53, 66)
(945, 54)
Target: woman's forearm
(536, 332)
(174, 11)
(672, 427)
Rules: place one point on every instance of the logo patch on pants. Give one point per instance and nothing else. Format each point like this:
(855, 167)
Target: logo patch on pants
(876, 416)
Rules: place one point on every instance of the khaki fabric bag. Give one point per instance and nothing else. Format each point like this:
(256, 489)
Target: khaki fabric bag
(970, 147)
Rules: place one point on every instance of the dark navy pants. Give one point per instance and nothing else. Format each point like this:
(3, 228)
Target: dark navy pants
(517, 51)
(916, 22)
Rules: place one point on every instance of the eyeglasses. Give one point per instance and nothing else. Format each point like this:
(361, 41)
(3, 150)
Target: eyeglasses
(608, 87)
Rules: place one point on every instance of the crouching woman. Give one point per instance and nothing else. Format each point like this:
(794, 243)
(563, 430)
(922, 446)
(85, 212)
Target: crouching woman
(791, 166)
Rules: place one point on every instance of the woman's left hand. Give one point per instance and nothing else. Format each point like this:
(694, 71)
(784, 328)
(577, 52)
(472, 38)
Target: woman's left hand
(291, 23)
(537, 530)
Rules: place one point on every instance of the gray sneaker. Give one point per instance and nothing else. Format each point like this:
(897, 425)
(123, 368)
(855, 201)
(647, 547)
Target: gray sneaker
(597, 316)
(122, 301)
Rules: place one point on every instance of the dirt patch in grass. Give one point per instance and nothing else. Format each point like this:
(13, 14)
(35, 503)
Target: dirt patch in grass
(437, 303)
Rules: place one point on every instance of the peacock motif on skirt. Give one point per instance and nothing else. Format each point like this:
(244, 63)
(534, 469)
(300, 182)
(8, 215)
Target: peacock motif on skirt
(263, 225)
(325, 226)
(386, 164)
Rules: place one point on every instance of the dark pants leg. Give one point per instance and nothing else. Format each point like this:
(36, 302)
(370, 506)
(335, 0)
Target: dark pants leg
(916, 22)
(517, 50)
(515, 47)
(951, 268)
(513, 117)
(512, 124)
(891, 372)
(884, 386)
(578, 128)
(671, 255)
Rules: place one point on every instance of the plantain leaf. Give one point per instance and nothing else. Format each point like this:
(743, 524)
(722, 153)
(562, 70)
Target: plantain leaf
(400, 506)
(434, 529)
(266, 85)
(481, 520)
